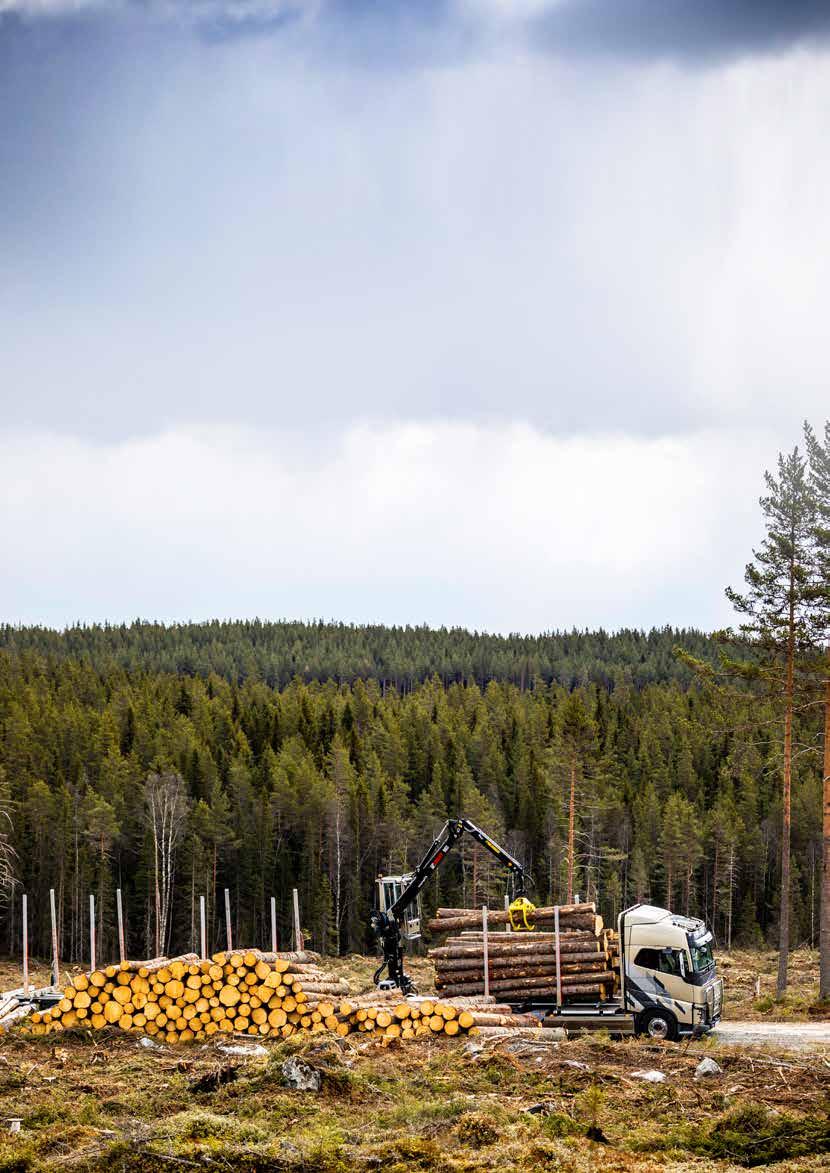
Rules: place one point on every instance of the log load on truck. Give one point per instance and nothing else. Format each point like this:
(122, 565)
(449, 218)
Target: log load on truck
(655, 975)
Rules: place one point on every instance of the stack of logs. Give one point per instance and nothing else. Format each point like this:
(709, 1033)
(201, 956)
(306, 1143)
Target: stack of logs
(243, 992)
(254, 993)
(390, 1015)
(522, 966)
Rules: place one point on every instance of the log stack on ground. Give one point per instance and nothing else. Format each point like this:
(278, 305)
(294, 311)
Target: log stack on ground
(523, 966)
(184, 998)
(254, 993)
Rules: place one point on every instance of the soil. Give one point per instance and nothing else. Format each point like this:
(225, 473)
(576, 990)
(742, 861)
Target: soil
(105, 1101)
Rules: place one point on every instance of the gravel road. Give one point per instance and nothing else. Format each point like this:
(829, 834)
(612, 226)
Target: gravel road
(785, 1035)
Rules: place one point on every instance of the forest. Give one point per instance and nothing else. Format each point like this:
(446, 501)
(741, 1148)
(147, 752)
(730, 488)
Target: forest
(401, 657)
(178, 761)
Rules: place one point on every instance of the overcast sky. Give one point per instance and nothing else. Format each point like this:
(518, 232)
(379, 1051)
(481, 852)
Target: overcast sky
(477, 312)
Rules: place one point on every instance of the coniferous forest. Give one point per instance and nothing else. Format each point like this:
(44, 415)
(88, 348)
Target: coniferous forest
(178, 761)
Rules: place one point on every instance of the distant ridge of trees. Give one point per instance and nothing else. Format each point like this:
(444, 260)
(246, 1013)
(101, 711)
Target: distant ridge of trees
(401, 657)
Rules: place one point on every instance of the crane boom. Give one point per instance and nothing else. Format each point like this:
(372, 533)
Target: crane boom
(386, 926)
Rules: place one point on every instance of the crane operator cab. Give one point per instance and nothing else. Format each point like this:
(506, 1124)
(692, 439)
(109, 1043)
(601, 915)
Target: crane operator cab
(390, 889)
(397, 916)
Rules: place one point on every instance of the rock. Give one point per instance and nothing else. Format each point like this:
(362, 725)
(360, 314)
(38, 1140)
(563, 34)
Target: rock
(148, 1043)
(707, 1069)
(650, 1076)
(472, 1049)
(301, 1075)
(578, 1064)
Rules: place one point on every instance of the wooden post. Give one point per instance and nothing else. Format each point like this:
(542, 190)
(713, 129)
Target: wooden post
(486, 952)
(298, 932)
(228, 919)
(273, 924)
(120, 912)
(55, 962)
(202, 928)
(91, 931)
(559, 959)
(25, 945)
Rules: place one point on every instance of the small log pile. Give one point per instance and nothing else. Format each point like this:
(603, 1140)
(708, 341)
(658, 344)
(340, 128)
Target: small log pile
(389, 1015)
(254, 993)
(523, 966)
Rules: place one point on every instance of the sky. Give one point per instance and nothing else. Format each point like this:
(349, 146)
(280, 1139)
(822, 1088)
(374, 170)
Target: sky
(486, 313)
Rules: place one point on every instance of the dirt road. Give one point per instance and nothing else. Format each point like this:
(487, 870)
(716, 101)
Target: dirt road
(783, 1035)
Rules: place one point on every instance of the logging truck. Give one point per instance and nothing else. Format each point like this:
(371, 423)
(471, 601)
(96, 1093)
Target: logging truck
(668, 986)
(655, 976)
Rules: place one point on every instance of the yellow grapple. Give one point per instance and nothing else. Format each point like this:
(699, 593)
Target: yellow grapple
(519, 911)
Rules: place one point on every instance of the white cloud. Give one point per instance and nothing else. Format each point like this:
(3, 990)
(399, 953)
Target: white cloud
(493, 528)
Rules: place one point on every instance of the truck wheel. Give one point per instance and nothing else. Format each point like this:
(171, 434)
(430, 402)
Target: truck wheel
(659, 1024)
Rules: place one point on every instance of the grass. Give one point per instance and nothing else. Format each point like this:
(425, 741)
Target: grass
(91, 1103)
(426, 1105)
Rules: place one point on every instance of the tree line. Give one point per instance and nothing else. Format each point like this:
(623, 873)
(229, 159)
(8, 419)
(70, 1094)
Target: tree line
(171, 786)
(397, 657)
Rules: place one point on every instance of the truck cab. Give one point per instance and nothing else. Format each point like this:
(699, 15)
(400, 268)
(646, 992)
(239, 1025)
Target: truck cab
(667, 972)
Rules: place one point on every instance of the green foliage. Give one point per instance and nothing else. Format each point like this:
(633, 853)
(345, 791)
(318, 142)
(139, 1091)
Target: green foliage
(751, 1136)
(322, 785)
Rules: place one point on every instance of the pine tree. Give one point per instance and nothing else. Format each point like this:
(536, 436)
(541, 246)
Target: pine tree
(779, 631)
(819, 457)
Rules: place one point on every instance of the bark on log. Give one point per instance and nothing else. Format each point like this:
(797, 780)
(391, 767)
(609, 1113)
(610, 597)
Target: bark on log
(514, 989)
(564, 910)
(530, 944)
(471, 919)
(542, 1034)
(507, 961)
(484, 1018)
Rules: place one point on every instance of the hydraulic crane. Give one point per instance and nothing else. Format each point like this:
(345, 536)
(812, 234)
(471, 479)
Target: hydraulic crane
(386, 923)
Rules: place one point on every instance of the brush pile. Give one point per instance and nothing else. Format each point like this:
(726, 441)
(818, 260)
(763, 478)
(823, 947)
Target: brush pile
(578, 962)
(254, 993)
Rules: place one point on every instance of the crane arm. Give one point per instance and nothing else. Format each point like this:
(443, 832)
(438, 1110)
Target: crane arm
(386, 925)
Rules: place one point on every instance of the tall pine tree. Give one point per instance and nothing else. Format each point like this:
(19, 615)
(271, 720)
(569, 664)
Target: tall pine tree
(778, 628)
(819, 456)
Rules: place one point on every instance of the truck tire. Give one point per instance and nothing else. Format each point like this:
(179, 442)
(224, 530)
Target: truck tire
(658, 1024)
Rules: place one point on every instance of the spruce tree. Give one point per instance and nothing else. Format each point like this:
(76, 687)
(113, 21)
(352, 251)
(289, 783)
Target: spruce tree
(778, 630)
(819, 457)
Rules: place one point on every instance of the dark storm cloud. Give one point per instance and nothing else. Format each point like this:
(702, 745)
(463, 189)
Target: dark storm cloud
(692, 31)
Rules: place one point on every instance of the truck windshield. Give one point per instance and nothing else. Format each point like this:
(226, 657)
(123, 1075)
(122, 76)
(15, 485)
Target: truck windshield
(702, 957)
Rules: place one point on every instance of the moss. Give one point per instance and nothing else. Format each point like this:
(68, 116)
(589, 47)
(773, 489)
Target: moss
(750, 1136)
(477, 1130)
(200, 1125)
(413, 1152)
(558, 1125)
(16, 1163)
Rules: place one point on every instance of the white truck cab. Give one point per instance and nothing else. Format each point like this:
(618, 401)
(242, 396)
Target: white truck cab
(667, 972)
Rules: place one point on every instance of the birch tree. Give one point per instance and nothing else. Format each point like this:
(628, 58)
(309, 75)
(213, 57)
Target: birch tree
(167, 808)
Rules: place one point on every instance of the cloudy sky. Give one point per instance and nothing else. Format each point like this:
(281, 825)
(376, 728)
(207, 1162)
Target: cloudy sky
(479, 312)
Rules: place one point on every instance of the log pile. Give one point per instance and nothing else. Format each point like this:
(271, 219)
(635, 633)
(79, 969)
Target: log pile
(184, 998)
(523, 966)
(253, 993)
(390, 1015)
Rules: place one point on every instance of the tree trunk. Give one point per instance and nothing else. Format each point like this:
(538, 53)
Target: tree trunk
(784, 935)
(824, 921)
(571, 810)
